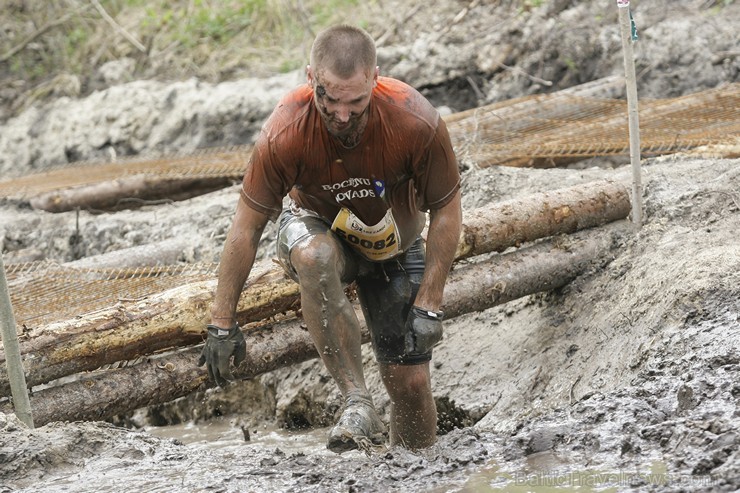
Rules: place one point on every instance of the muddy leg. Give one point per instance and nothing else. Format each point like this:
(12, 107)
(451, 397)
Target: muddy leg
(413, 412)
(331, 321)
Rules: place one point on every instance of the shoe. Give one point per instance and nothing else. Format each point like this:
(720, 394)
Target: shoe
(359, 426)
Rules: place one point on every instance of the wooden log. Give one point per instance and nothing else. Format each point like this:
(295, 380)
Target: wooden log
(127, 331)
(177, 317)
(473, 287)
(514, 222)
(166, 252)
(540, 267)
(127, 193)
(104, 394)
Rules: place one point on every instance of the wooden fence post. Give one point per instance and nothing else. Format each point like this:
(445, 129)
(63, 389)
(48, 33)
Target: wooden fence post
(16, 376)
(629, 34)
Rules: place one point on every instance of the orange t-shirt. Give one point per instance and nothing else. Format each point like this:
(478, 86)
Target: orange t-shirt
(404, 163)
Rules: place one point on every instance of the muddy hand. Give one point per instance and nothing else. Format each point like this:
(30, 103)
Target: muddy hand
(221, 344)
(423, 330)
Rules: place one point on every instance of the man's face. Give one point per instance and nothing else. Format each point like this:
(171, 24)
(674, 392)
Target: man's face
(342, 103)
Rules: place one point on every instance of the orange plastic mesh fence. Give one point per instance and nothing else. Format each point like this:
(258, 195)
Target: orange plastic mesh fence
(515, 132)
(45, 292)
(222, 162)
(562, 126)
(519, 132)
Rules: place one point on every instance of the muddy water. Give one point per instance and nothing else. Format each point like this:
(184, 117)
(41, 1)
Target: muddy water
(550, 474)
(213, 456)
(542, 472)
(224, 434)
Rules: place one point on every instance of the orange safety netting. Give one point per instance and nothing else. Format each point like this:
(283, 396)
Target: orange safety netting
(45, 292)
(525, 131)
(564, 126)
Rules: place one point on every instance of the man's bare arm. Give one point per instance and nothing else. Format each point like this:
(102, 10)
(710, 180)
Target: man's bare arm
(237, 260)
(442, 240)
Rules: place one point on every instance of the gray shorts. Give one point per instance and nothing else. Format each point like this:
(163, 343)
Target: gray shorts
(386, 289)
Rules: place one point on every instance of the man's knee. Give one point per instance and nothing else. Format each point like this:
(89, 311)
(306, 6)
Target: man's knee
(317, 256)
(408, 381)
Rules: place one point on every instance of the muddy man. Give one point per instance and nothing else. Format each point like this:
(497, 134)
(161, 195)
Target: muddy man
(362, 158)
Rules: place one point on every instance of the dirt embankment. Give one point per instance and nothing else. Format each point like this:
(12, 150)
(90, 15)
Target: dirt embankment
(626, 378)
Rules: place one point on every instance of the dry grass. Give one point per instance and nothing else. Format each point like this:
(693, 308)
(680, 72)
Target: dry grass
(55, 47)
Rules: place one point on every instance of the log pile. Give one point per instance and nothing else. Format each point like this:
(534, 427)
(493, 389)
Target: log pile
(163, 333)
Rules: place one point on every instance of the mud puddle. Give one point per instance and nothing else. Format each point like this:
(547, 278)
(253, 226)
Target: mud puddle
(540, 472)
(226, 434)
(546, 472)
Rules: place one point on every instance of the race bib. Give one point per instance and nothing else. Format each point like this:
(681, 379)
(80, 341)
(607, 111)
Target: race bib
(378, 242)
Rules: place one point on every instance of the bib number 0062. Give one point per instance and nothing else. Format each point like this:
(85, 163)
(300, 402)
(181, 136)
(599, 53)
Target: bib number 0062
(356, 240)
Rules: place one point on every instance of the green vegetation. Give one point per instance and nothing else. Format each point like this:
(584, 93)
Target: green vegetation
(718, 5)
(528, 5)
(534, 3)
(210, 39)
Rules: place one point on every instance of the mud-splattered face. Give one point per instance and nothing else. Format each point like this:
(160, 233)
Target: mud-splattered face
(342, 103)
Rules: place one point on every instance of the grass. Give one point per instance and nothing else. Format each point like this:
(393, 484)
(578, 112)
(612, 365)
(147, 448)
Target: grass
(211, 39)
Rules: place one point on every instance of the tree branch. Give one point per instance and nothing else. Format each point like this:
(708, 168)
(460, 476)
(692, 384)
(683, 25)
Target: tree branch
(110, 20)
(43, 29)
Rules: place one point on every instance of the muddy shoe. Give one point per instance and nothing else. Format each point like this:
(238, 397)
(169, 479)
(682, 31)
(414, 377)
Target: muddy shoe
(358, 427)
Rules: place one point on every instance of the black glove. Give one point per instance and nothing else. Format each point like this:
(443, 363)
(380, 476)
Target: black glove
(221, 344)
(423, 331)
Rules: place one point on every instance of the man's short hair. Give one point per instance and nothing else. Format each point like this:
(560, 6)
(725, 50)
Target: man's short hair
(343, 50)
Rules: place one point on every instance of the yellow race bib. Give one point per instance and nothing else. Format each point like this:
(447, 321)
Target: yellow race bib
(376, 243)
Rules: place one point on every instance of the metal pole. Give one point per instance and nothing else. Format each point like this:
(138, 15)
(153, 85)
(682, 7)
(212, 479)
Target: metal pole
(628, 35)
(16, 375)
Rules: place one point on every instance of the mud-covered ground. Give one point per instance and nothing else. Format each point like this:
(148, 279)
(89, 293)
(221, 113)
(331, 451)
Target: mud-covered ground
(624, 380)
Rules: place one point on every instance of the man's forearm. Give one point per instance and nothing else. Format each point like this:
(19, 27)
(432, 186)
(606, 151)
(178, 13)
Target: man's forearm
(232, 274)
(237, 259)
(442, 240)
